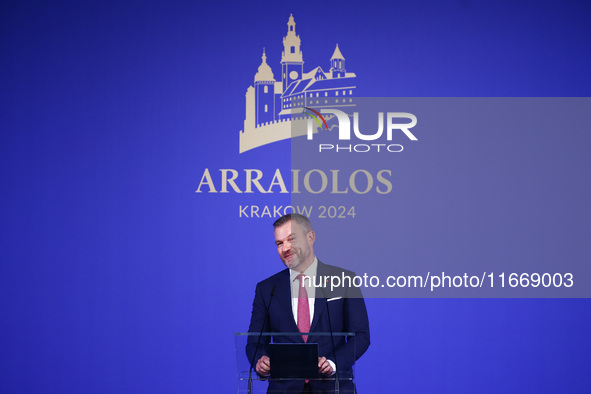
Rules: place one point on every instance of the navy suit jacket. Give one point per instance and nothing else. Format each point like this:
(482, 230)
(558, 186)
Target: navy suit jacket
(347, 314)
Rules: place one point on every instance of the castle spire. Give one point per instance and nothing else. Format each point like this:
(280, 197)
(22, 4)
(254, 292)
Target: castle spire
(337, 54)
(292, 59)
(291, 44)
(337, 64)
(265, 73)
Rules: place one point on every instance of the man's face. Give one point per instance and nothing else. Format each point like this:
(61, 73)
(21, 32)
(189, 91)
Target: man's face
(295, 246)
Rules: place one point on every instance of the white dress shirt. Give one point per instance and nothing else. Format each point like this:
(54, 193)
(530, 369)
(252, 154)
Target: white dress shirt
(310, 289)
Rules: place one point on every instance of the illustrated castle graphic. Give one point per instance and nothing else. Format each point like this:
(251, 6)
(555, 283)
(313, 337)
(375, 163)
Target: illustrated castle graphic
(273, 106)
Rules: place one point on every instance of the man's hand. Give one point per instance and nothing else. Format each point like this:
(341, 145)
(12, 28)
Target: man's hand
(324, 366)
(264, 366)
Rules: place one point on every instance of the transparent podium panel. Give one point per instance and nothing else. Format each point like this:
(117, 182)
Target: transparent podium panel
(293, 357)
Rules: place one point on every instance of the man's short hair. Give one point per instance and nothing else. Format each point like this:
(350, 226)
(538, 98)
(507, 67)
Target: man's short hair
(296, 217)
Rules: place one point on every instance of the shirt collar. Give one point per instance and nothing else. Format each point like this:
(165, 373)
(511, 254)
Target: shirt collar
(311, 271)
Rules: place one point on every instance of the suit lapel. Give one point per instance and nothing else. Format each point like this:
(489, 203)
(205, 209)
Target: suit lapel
(284, 298)
(319, 302)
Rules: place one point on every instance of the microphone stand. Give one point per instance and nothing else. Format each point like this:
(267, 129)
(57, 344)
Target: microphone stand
(259, 342)
(336, 382)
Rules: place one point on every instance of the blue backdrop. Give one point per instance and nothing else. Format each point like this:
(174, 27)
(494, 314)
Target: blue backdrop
(115, 276)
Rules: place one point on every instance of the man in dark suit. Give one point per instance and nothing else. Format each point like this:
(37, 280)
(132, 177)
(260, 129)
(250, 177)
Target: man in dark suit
(291, 301)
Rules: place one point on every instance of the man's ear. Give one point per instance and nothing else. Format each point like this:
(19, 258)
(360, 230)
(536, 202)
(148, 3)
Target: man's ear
(311, 236)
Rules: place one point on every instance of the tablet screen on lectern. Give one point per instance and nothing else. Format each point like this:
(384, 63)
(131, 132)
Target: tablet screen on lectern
(293, 360)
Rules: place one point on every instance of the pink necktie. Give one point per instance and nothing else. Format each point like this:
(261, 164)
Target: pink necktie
(303, 309)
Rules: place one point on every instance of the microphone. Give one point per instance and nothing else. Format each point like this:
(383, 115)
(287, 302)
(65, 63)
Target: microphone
(259, 341)
(336, 364)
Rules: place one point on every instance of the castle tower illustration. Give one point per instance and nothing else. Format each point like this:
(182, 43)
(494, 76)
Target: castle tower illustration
(292, 60)
(272, 106)
(337, 64)
(264, 89)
